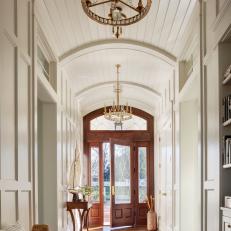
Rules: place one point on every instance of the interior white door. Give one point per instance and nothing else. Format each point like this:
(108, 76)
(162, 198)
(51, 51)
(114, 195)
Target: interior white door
(166, 174)
(162, 191)
(169, 177)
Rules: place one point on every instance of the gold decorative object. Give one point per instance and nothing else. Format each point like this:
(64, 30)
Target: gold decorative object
(120, 12)
(117, 112)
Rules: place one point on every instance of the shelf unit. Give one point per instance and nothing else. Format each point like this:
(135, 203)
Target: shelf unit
(225, 126)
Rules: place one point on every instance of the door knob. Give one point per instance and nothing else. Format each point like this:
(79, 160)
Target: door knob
(164, 194)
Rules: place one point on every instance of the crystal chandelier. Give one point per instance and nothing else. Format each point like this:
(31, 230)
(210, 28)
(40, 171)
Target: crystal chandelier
(117, 112)
(120, 12)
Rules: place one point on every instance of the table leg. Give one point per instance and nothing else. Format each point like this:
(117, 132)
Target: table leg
(87, 220)
(73, 219)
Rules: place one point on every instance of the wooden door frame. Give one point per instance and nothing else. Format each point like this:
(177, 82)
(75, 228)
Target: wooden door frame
(140, 136)
(99, 146)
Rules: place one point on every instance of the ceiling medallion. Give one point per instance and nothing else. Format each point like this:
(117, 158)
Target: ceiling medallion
(119, 12)
(118, 113)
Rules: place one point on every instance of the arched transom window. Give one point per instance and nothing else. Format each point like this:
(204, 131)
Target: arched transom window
(136, 123)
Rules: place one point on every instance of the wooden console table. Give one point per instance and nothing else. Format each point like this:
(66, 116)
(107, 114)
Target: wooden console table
(83, 208)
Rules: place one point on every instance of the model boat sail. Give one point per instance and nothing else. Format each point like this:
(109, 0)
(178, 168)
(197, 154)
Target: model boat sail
(74, 176)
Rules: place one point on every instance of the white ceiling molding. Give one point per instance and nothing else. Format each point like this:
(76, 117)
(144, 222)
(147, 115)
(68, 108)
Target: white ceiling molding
(128, 44)
(110, 83)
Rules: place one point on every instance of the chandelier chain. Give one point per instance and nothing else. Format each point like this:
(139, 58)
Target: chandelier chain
(118, 112)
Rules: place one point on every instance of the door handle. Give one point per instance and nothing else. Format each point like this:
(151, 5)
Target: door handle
(164, 194)
(113, 190)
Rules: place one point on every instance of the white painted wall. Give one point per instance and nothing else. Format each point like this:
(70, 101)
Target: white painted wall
(189, 167)
(17, 139)
(217, 21)
(18, 127)
(16, 168)
(47, 164)
(68, 135)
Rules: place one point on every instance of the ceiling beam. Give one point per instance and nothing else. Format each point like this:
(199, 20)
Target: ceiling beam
(129, 44)
(98, 85)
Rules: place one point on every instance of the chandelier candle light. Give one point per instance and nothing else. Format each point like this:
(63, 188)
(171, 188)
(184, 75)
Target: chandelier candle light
(120, 12)
(118, 113)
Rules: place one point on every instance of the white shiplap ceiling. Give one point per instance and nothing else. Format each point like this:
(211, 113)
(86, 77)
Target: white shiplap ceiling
(70, 31)
(68, 27)
(142, 76)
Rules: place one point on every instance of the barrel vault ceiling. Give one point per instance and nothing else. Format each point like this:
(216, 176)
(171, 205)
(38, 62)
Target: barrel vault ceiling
(143, 73)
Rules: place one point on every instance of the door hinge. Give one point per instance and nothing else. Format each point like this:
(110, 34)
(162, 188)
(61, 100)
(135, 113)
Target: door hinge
(134, 148)
(134, 191)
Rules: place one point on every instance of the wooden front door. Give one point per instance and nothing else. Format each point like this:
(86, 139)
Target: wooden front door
(122, 184)
(120, 176)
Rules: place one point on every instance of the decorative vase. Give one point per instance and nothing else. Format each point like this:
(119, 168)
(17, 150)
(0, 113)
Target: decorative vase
(151, 220)
(75, 197)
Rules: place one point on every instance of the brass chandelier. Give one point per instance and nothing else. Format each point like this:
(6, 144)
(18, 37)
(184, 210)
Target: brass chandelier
(119, 12)
(118, 113)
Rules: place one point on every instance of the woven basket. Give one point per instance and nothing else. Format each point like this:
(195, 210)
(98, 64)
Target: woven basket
(40, 228)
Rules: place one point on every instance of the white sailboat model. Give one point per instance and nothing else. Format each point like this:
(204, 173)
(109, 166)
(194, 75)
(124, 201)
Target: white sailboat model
(75, 176)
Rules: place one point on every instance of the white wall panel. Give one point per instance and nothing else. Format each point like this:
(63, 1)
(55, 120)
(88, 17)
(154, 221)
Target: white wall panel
(8, 15)
(16, 200)
(217, 21)
(9, 207)
(212, 157)
(25, 209)
(23, 122)
(211, 208)
(23, 23)
(67, 134)
(8, 154)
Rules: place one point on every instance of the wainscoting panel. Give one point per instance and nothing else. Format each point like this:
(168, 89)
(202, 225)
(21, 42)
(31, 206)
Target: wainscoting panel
(9, 207)
(16, 200)
(24, 156)
(8, 107)
(25, 208)
(67, 138)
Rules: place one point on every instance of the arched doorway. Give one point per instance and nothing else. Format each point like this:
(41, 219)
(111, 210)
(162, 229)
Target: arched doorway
(120, 168)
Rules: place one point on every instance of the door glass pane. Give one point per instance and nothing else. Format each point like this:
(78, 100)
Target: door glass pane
(107, 177)
(142, 172)
(95, 174)
(122, 174)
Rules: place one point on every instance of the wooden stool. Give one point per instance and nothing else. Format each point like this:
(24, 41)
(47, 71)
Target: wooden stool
(40, 228)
